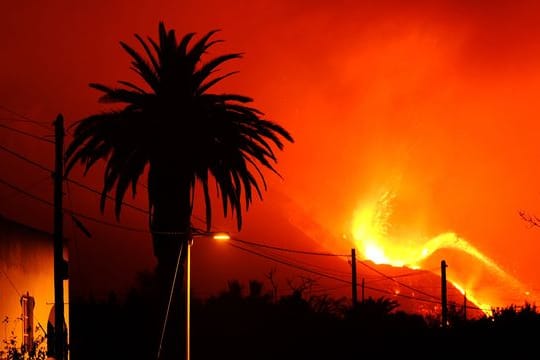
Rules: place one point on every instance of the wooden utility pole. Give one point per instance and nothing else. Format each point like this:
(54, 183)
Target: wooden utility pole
(354, 285)
(444, 307)
(363, 288)
(60, 265)
(465, 306)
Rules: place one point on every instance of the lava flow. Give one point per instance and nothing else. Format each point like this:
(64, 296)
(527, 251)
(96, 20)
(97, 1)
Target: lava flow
(470, 271)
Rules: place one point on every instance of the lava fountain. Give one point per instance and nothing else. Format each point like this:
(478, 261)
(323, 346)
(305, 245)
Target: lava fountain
(483, 280)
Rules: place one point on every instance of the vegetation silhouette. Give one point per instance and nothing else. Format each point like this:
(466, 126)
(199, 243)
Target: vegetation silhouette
(12, 349)
(183, 135)
(240, 324)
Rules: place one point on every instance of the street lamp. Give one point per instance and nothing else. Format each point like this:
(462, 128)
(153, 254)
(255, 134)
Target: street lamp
(219, 236)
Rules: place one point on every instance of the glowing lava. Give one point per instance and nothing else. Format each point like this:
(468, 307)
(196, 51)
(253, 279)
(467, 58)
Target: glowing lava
(370, 231)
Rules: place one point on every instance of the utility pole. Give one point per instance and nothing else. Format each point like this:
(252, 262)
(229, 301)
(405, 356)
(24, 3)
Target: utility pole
(363, 286)
(465, 306)
(60, 265)
(354, 285)
(444, 307)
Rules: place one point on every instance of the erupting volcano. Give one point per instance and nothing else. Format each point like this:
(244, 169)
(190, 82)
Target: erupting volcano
(470, 271)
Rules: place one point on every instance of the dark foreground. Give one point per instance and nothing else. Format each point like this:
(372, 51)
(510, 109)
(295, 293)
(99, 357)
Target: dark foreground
(238, 326)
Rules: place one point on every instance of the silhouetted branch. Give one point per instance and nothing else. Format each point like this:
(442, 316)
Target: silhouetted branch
(273, 283)
(305, 286)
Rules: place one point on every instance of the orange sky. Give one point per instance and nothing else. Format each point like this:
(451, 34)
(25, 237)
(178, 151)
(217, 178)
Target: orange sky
(432, 101)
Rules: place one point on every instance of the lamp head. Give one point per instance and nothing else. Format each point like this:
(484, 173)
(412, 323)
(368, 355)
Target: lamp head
(221, 236)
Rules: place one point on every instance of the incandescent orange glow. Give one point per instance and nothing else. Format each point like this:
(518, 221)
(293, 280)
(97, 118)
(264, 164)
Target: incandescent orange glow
(370, 231)
(415, 124)
(221, 237)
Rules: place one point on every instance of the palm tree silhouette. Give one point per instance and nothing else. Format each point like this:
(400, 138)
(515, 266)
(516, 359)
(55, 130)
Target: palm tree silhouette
(183, 135)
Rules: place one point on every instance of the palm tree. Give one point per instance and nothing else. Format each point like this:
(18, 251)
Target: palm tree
(183, 135)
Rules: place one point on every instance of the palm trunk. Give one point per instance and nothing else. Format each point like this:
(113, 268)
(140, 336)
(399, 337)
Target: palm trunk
(171, 226)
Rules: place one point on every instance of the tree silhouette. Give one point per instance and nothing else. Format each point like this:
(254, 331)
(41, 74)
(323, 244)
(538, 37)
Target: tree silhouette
(182, 135)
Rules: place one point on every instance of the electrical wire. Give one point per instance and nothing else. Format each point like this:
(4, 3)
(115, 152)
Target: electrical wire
(31, 186)
(24, 118)
(26, 133)
(290, 265)
(16, 188)
(297, 261)
(16, 120)
(11, 282)
(410, 297)
(332, 277)
(88, 188)
(326, 289)
(412, 273)
(288, 250)
(303, 268)
(24, 158)
(13, 153)
(68, 211)
(79, 184)
(396, 281)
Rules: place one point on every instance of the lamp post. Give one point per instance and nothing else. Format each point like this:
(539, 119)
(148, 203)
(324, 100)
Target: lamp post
(219, 236)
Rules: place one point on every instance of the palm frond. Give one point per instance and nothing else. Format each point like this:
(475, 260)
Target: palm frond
(149, 54)
(183, 44)
(131, 169)
(132, 86)
(175, 126)
(204, 87)
(141, 66)
(205, 71)
(193, 55)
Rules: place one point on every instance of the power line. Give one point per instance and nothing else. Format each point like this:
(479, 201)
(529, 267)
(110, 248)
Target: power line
(242, 241)
(326, 289)
(26, 133)
(318, 267)
(24, 158)
(329, 254)
(412, 273)
(410, 297)
(11, 282)
(330, 276)
(24, 118)
(303, 268)
(68, 211)
(73, 181)
(86, 187)
(13, 119)
(396, 281)
(16, 188)
(144, 211)
(239, 240)
(140, 230)
(119, 226)
(32, 185)
(291, 265)
(289, 250)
